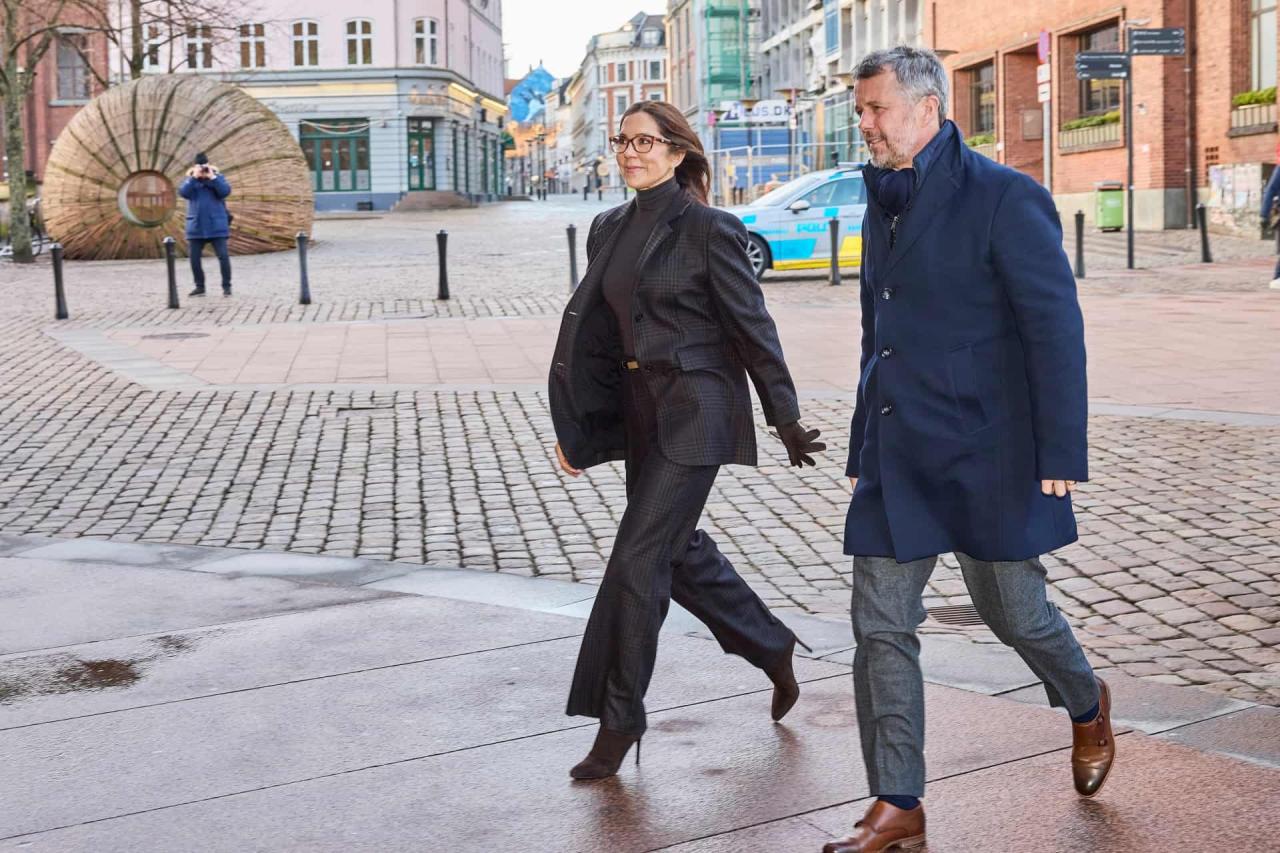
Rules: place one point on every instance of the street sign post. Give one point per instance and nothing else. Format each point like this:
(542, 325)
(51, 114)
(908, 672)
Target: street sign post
(1102, 66)
(1165, 41)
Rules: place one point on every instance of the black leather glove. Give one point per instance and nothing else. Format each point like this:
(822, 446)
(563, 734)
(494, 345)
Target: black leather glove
(799, 443)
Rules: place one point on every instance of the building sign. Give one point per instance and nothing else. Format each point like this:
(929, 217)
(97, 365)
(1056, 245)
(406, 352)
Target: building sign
(764, 112)
(147, 199)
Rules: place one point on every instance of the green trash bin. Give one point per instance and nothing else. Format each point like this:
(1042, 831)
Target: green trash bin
(1109, 210)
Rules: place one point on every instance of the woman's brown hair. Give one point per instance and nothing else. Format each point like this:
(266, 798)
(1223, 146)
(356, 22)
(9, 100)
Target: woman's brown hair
(694, 172)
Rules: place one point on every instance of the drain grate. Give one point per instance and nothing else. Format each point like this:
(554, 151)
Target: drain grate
(964, 615)
(175, 336)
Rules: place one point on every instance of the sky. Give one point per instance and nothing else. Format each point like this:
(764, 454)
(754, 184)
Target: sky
(556, 33)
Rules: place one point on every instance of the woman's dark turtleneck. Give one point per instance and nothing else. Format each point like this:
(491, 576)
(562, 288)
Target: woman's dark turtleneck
(620, 274)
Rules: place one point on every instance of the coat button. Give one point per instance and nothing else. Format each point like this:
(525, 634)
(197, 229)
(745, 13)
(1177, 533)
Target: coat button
(886, 294)
(887, 352)
(639, 317)
(886, 409)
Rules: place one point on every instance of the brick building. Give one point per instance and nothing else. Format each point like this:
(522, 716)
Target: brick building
(1189, 121)
(65, 81)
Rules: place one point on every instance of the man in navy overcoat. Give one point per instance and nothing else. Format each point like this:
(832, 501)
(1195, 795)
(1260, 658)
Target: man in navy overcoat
(969, 431)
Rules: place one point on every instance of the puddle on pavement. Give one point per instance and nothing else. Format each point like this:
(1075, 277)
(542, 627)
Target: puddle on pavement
(61, 674)
(67, 675)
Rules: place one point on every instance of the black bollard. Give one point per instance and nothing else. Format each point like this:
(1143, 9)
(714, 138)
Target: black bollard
(585, 190)
(1079, 244)
(573, 257)
(624, 192)
(1202, 217)
(59, 295)
(442, 242)
(172, 269)
(304, 294)
(599, 192)
(834, 224)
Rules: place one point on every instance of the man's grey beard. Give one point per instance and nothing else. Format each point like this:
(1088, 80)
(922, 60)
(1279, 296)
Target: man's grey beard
(892, 158)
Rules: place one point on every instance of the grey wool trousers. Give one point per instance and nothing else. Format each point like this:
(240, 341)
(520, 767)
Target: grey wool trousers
(887, 683)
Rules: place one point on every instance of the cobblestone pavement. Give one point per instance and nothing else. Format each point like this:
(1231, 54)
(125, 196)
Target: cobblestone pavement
(1175, 578)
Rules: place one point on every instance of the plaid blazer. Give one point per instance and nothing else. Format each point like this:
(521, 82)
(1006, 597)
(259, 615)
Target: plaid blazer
(701, 327)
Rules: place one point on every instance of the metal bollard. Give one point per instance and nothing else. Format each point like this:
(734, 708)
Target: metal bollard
(171, 268)
(624, 192)
(585, 190)
(573, 257)
(59, 294)
(1079, 244)
(599, 193)
(442, 243)
(834, 224)
(1202, 218)
(304, 294)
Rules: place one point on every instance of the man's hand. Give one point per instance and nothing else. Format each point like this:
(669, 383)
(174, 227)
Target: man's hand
(853, 483)
(564, 463)
(1057, 487)
(799, 443)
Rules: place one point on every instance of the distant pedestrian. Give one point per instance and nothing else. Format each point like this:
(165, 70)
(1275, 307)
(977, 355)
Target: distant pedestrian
(208, 221)
(1271, 213)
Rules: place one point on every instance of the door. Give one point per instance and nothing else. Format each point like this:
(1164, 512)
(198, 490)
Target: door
(421, 155)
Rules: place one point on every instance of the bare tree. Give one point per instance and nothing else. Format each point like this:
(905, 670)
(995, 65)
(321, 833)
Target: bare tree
(27, 30)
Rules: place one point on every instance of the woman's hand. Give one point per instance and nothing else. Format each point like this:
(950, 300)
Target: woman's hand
(564, 463)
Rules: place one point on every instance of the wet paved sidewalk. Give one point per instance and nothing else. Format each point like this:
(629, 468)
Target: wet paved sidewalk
(161, 698)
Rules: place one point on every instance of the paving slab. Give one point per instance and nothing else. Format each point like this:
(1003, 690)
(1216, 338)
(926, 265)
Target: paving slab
(1161, 797)
(708, 768)
(1149, 706)
(67, 772)
(45, 604)
(792, 835)
(543, 594)
(343, 570)
(115, 675)
(106, 551)
(1250, 735)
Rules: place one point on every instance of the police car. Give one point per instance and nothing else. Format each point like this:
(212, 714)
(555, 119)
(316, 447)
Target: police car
(787, 226)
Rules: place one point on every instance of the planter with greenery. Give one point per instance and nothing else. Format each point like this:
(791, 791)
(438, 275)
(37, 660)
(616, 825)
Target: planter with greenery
(1255, 98)
(1112, 117)
(981, 139)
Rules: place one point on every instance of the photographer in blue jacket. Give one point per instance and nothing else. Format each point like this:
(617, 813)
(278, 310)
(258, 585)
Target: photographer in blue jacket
(208, 222)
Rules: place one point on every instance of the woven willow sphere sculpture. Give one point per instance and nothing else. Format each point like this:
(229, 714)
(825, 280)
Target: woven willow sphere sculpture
(111, 185)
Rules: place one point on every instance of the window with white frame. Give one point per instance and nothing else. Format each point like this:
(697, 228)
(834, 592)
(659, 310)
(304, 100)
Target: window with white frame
(253, 45)
(199, 46)
(74, 80)
(306, 44)
(831, 25)
(650, 37)
(655, 96)
(601, 75)
(655, 69)
(1262, 43)
(622, 72)
(426, 39)
(360, 42)
(154, 34)
(620, 104)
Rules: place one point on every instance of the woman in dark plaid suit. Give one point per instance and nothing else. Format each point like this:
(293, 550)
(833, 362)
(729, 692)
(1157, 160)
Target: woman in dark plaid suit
(651, 368)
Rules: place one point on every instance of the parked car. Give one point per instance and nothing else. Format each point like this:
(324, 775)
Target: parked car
(787, 226)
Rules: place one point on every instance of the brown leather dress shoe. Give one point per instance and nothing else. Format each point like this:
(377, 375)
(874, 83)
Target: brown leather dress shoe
(884, 827)
(1093, 747)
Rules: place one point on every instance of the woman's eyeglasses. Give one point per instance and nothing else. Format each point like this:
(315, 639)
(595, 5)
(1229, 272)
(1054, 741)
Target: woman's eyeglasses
(642, 143)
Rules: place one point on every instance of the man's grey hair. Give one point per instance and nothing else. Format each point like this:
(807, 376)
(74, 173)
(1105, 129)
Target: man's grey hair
(918, 69)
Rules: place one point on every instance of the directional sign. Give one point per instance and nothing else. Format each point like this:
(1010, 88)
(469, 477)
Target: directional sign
(1044, 93)
(1166, 41)
(1102, 66)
